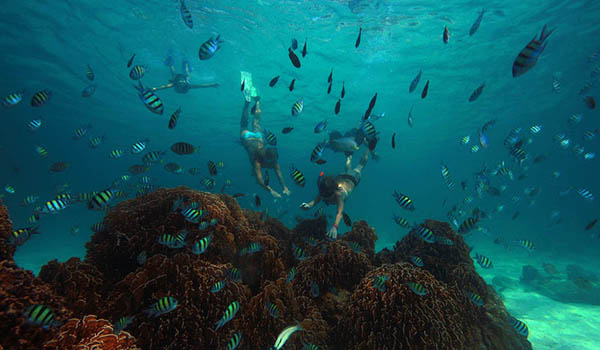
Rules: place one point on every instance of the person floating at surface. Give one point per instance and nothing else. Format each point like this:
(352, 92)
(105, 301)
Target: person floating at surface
(335, 190)
(179, 81)
(254, 143)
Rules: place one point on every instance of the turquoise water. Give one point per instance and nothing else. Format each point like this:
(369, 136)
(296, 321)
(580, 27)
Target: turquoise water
(47, 45)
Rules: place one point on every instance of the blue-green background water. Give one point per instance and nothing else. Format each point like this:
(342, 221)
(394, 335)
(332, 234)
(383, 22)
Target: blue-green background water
(47, 45)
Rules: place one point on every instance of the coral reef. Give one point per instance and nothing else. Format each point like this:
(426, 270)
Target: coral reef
(80, 283)
(398, 318)
(18, 290)
(347, 311)
(90, 333)
(6, 250)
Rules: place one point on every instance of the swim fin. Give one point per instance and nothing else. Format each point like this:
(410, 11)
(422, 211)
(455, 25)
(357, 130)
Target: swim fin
(249, 90)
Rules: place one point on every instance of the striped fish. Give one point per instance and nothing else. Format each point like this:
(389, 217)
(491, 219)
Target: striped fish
(217, 287)
(297, 176)
(152, 156)
(186, 16)
(209, 48)
(228, 315)
(115, 154)
(13, 99)
(162, 306)
(41, 316)
(122, 323)
(174, 118)
(483, 261)
(171, 241)
(254, 247)
(468, 225)
(529, 56)
(402, 222)
(475, 298)
(53, 206)
(586, 194)
(444, 240)
(417, 261)
(234, 274)
(291, 275)
(298, 252)
(212, 168)
(41, 151)
(379, 282)
(272, 308)
(151, 101)
(96, 141)
(527, 244)
(519, 326)
(138, 147)
(40, 98)
(30, 200)
(208, 183)
(192, 215)
(297, 107)
(34, 124)
(183, 148)
(201, 246)
(316, 153)
(369, 129)
(417, 288)
(424, 233)
(271, 138)
(101, 199)
(234, 341)
(137, 72)
(20, 236)
(403, 201)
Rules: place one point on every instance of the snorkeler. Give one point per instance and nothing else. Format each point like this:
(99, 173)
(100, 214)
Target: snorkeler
(254, 143)
(179, 81)
(335, 190)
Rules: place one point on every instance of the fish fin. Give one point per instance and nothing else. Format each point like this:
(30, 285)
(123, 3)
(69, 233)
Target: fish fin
(545, 34)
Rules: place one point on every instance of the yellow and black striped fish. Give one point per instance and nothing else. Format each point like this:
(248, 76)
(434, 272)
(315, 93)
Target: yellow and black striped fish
(424, 233)
(467, 225)
(13, 99)
(483, 261)
(234, 341)
(20, 236)
(40, 98)
(417, 288)
(162, 306)
(271, 138)
(151, 101)
(174, 118)
(53, 206)
(41, 316)
(209, 47)
(183, 148)
(297, 107)
(519, 326)
(122, 323)
(272, 308)
(475, 298)
(171, 241)
(212, 168)
(403, 201)
(228, 315)
(527, 244)
(41, 151)
(186, 15)
(528, 57)
(101, 199)
(297, 176)
(152, 157)
(116, 154)
(201, 246)
(217, 287)
(402, 222)
(137, 72)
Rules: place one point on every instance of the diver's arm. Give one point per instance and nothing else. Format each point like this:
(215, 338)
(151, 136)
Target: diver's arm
(280, 178)
(261, 181)
(169, 85)
(340, 210)
(197, 86)
(311, 203)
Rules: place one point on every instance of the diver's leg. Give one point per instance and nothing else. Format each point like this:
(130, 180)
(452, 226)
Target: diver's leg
(169, 85)
(244, 120)
(363, 161)
(197, 86)
(256, 121)
(348, 163)
(186, 68)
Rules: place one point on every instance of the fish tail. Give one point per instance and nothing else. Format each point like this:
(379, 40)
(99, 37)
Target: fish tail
(545, 34)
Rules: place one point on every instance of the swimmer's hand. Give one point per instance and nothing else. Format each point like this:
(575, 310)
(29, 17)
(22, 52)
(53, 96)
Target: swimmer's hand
(274, 193)
(286, 191)
(332, 234)
(306, 206)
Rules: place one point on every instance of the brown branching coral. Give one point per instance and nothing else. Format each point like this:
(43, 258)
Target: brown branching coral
(80, 283)
(90, 333)
(6, 250)
(18, 290)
